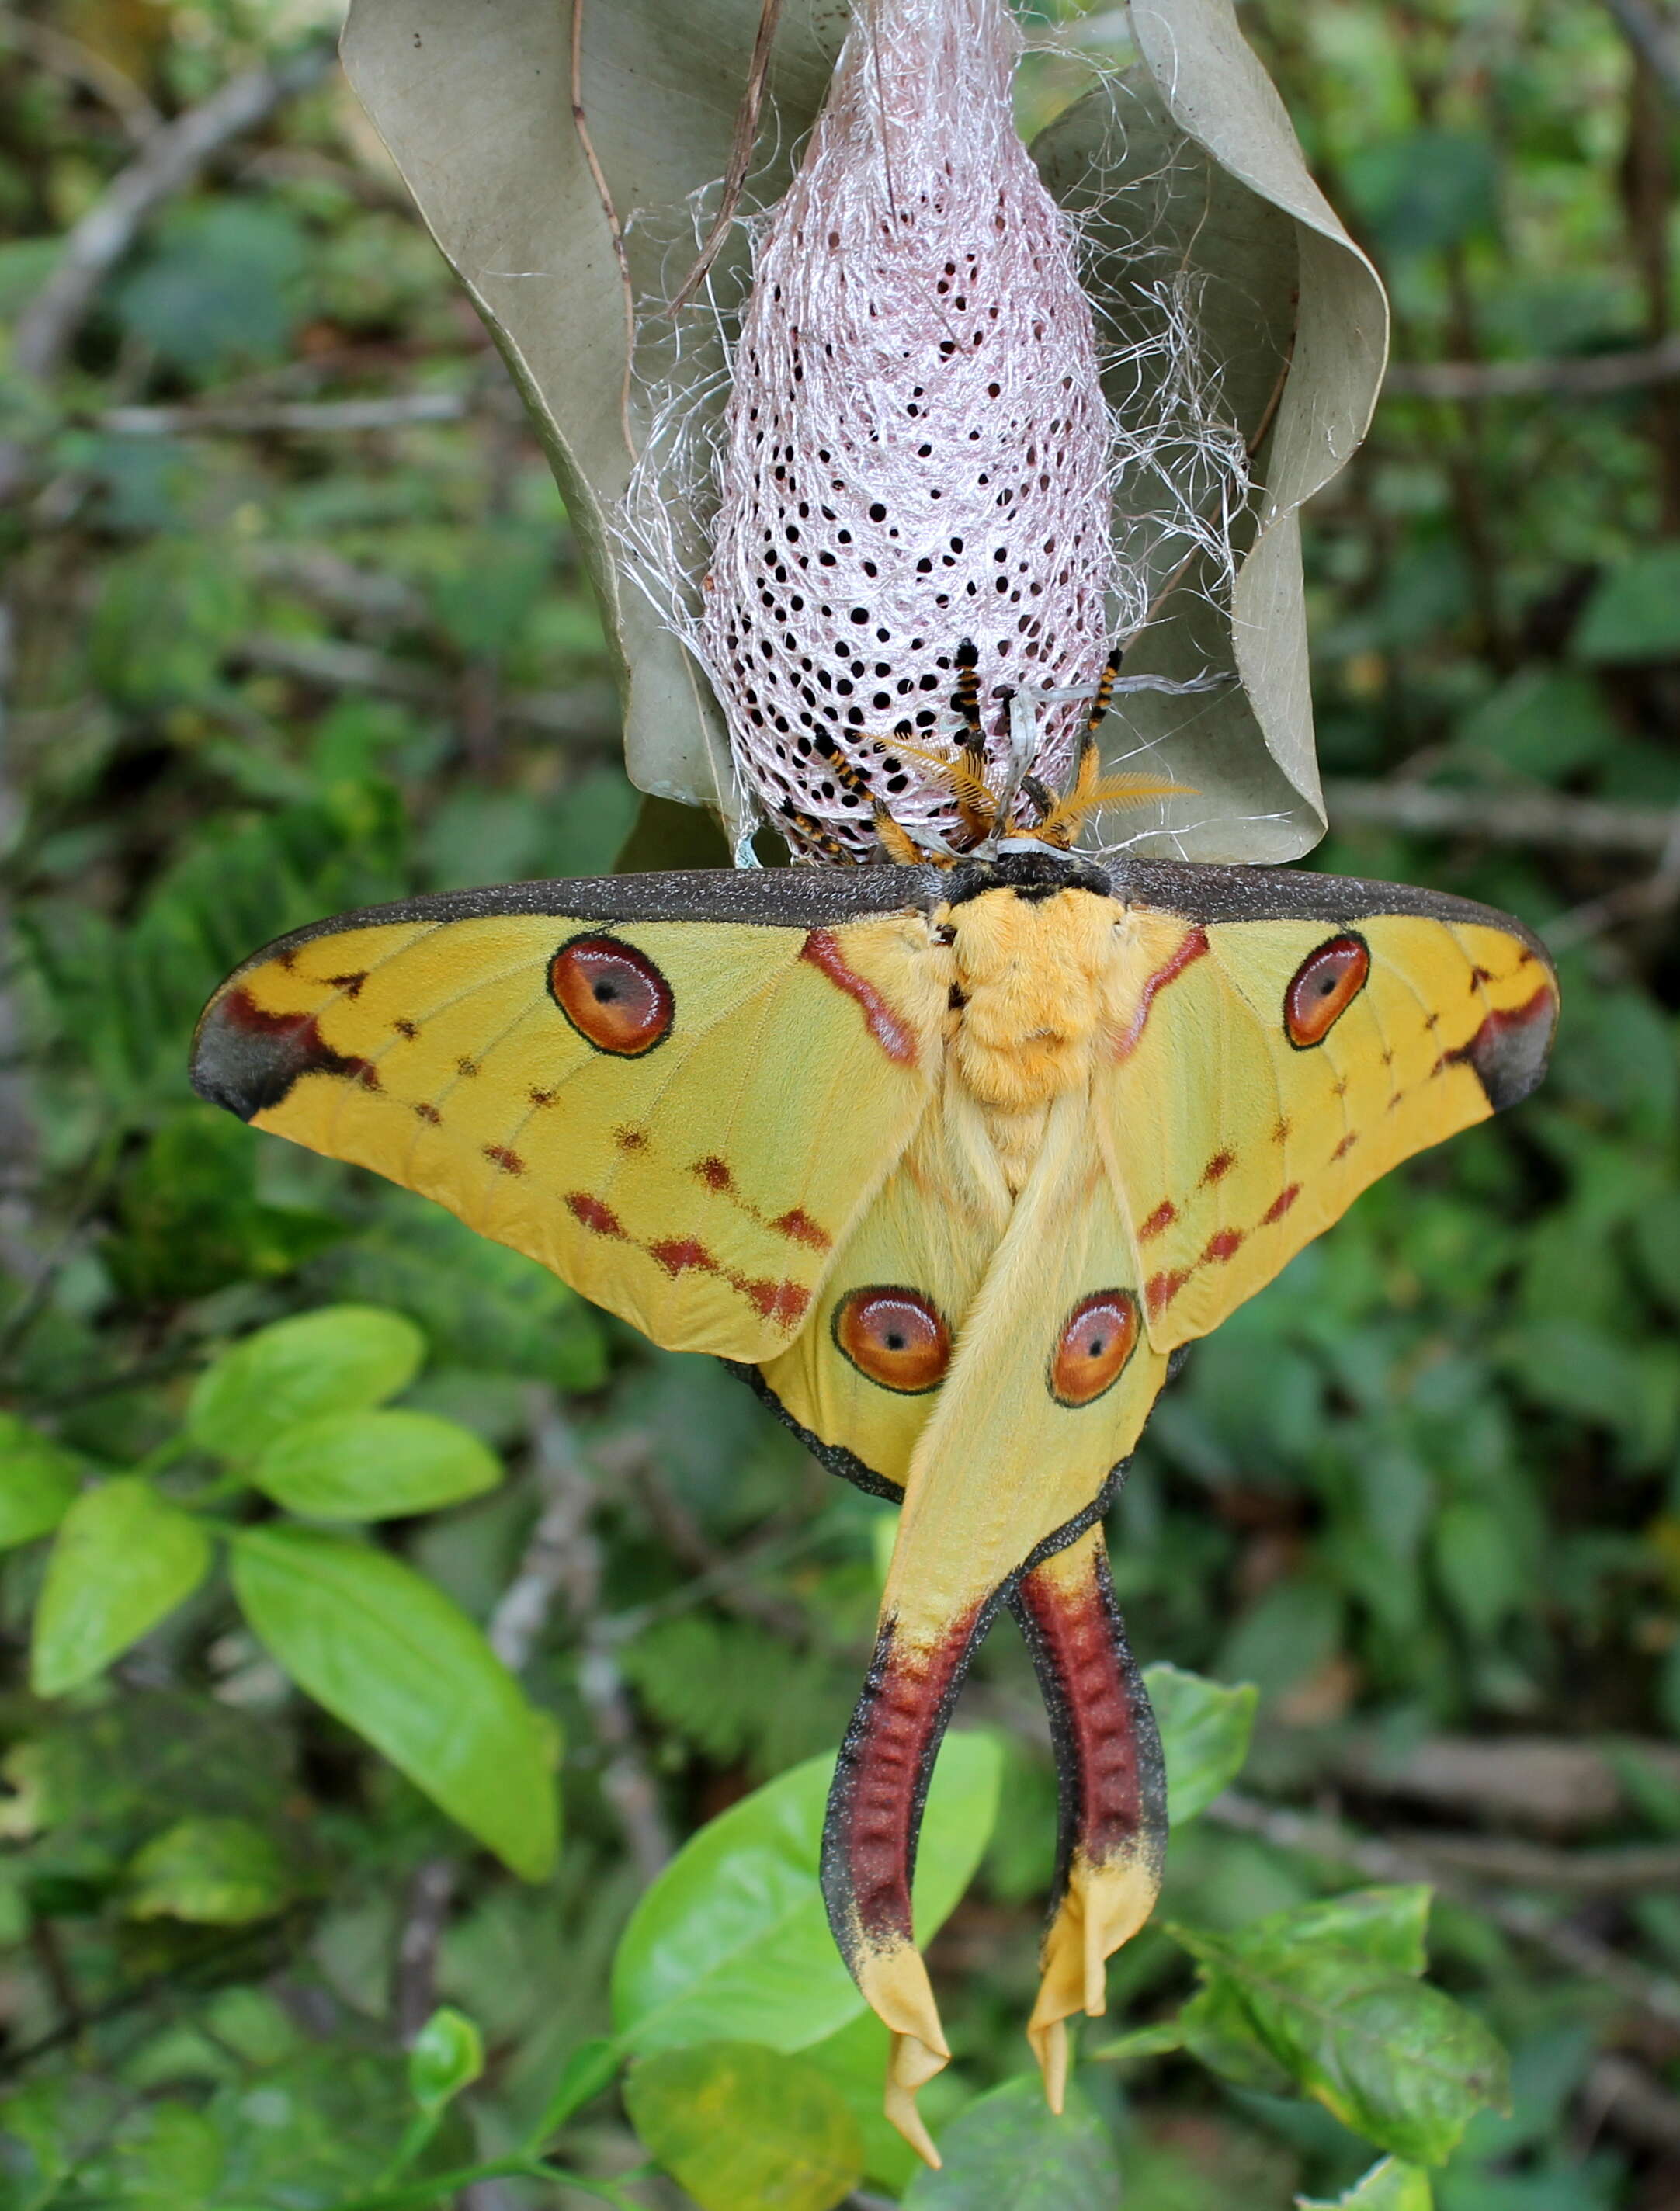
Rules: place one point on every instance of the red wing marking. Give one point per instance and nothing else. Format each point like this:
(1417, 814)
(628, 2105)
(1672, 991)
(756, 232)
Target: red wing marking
(796, 1225)
(406, 1028)
(890, 1031)
(590, 1212)
(1280, 1204)
(799, 1226)
(1160, 1290)
(467, 1066)
(1282, 1131)
(1193, 946)
(1219, 1167)
(629, 1140)
(676, 1254)
(783, 1302)
(349, 985)
(1346, 1145)
(1509, 1053)
(425, 1112)
(1224, 1243)
(541, 1098)
(509, 1162)
(1162, 1218)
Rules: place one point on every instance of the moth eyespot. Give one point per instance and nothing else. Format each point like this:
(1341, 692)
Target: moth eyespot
(1097, 1339)
(614, 996)
(1322, 987)
(894, 1336)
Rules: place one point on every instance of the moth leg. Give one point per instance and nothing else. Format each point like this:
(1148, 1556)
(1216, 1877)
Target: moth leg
(869, 1847)
(1111, 1784)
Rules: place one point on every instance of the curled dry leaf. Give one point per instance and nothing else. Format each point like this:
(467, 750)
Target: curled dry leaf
(476, 108)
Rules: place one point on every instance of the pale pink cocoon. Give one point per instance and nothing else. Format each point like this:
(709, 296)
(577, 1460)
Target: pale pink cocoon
(916, 450)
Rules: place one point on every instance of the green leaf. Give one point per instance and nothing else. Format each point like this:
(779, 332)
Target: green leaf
(1158, 2041)
(39, 1482)
(214, 1873)
(374, 1466)
(446, 2056)
(1388, 1925)
(1390, 2186)
(1634, 612)
(122, 1558)
(390, 1655)
(593, 2067)
(733, 1940)
(339, 1359)
(1392, 2057)
(1204, 1731)
(854, 2060)
(744, 2127)
(1010, 2152)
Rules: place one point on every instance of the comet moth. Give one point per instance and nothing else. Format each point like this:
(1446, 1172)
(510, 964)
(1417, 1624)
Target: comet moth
(948, 1157)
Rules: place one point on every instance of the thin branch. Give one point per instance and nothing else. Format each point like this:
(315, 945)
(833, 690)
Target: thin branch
(563, 1559)
(1652, 39)
(171, 160)
(414, 1995)
(68, 57)
(1533, 1865)
(1553, 1783)
(740, 152)
(587, 715)
(297, 418)
(1621, 2091)
(1502, 816)
(1591, 376)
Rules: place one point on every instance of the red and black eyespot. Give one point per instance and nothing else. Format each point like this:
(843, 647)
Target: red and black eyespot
(1097, 1339)
(1322, 987)
(614, 996)
(894, 1336)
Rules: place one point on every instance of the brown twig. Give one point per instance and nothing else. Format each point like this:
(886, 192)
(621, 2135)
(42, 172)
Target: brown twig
(171, 157)
(740, 153)
(68, 57)
(1533, 1865)
(587, 715)
(1593, 376)
(1652, 39)
(414, 1988)
(563, 1559)
(1501, 816)
(322, 418)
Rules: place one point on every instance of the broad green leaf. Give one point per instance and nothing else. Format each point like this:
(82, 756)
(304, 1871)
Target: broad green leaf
(1218, 2034)
(122, 1558)
(1204, 1731)
(593, 2067)
(446, 2056)
(1158, 2041)
(744, 2127)
(38, 1482)
(1010, 2152)
(213, 1872)
(374, 1466)
(1388, 1925)
(1194, 147)
(1390, 2186)
(1394, 2059)
(341, 1358)
(390, 1655)
(733, 1940)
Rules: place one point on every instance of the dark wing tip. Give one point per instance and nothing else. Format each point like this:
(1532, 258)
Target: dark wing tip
(247, 1060)
(1510, 1049)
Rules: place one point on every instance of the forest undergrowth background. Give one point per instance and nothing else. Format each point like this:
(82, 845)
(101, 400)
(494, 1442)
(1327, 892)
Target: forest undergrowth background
(292, 621)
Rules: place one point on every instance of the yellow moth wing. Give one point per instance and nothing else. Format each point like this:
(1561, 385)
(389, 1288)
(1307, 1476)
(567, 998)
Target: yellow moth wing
(697, 1187)
(1235, 1145)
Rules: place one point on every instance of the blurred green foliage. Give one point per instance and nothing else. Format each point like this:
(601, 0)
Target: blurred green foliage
(1426, 1487)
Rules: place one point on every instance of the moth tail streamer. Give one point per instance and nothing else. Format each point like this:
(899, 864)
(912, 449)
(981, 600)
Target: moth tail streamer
(1111, 1786)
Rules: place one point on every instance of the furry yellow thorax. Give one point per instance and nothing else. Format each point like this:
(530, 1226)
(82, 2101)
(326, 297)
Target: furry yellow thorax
(1044, 988)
